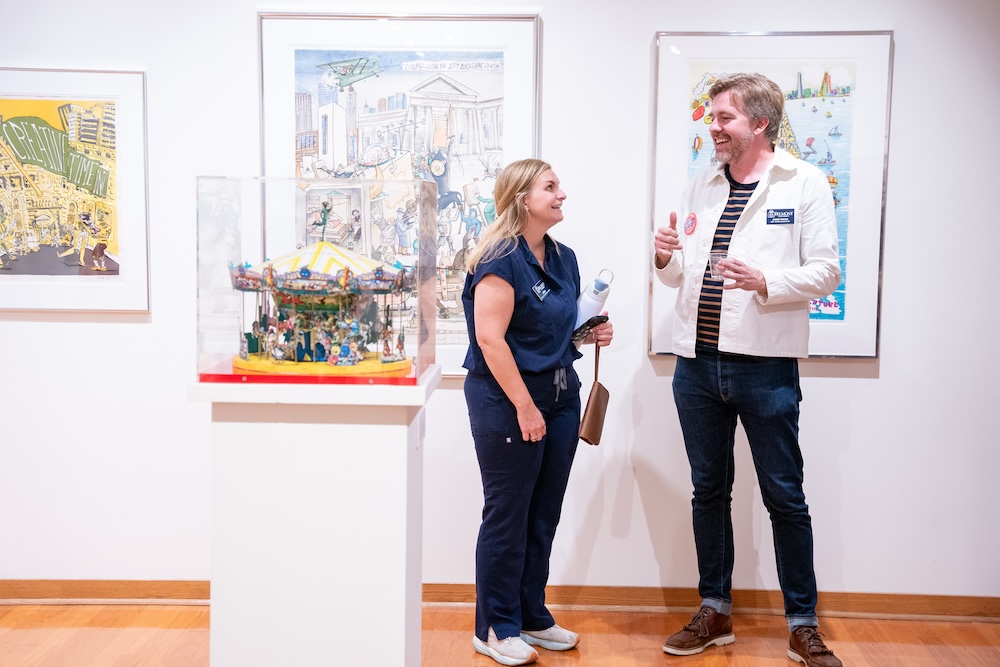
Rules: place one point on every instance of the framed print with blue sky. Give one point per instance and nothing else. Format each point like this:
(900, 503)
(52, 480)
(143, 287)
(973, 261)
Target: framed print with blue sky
(837, 89)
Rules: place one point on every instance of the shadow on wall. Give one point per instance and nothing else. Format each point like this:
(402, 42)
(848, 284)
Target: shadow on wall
(643, 457)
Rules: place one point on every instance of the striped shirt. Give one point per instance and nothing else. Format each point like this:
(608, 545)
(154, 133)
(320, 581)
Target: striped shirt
(710, 301)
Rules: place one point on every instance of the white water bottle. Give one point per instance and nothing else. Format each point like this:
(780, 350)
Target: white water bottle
(593, 297)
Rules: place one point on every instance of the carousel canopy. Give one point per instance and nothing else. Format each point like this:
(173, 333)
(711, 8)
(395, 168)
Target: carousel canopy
(321, 269)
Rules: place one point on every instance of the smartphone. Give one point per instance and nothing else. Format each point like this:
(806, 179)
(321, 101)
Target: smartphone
(584, 329)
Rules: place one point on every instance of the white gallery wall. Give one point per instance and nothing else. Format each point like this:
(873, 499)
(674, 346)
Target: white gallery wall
(104, 462)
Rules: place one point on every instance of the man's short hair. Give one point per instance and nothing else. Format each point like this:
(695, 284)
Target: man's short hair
(758, 96)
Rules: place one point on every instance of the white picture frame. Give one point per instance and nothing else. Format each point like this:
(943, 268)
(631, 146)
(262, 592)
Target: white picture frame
(73, 142)
(516, 37)
(847, 323)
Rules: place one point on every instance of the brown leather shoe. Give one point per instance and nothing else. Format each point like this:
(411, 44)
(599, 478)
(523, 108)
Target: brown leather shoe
(707, 628)
(806, 645)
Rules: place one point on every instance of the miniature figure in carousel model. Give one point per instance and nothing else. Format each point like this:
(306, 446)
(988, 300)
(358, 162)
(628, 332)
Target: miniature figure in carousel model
(386, 342)
(311, 303)
(388, 356)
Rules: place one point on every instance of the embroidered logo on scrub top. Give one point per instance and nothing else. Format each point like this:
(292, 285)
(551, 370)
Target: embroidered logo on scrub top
(690, 222)
(541, 290)
(781, 216)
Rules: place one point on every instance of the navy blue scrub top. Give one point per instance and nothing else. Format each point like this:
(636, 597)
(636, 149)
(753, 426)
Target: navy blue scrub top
(544, 307)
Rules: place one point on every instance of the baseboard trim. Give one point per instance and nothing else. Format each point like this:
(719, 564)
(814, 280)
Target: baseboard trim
(102, 589)
(874, 605)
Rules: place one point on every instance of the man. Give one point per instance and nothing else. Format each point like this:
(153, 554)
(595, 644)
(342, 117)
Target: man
(738, 340)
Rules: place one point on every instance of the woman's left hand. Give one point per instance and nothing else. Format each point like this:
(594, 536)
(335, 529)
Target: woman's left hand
(602, 334)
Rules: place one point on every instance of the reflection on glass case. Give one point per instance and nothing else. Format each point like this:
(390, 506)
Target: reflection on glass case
(308, 281)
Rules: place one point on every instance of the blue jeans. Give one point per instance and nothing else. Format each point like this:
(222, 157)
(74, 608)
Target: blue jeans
(523, 488)
(711, 392)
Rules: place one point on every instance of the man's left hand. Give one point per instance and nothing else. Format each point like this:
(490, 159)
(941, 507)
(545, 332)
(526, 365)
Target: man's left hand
(739, 275)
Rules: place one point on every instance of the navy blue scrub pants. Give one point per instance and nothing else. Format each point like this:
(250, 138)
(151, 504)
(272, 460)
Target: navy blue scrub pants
(523, 488)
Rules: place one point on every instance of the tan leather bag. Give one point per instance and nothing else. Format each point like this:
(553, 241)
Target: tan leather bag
(592, 422)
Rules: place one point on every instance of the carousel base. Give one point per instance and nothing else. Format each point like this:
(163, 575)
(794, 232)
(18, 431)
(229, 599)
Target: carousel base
(366, 367)
(260, 370)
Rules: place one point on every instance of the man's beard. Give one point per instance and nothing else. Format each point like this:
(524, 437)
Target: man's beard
(734, 149)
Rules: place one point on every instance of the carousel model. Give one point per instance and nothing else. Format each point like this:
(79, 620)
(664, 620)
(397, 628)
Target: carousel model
(318, 310)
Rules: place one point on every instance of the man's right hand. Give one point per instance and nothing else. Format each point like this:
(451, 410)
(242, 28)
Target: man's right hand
(666, 241)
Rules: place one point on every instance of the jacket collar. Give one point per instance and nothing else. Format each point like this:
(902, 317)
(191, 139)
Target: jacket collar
(782, 160)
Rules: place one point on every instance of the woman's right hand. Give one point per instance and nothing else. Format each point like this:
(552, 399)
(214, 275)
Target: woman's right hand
(666, 241)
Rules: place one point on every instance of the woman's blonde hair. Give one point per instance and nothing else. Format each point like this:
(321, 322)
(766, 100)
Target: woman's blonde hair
(512, 185)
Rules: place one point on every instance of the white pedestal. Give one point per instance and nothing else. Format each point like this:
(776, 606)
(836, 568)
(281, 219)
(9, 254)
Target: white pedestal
(316, 523)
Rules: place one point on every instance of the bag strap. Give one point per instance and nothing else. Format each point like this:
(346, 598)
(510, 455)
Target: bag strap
(597, 359)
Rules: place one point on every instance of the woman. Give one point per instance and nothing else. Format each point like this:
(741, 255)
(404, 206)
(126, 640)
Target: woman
(524, 407)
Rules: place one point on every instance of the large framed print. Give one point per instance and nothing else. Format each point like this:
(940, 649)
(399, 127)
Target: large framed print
(837, 93)
(450, 99)
(73, 212)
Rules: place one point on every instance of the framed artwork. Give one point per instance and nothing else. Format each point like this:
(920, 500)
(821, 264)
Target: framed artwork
(450, 99)
(73, 211)
(837, 91)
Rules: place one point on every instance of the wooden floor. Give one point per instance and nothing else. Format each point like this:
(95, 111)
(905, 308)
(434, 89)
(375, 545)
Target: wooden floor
(103, 635)
(177, 635)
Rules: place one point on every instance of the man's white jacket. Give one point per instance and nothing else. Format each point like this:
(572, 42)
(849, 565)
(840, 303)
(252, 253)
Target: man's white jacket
(788, 230)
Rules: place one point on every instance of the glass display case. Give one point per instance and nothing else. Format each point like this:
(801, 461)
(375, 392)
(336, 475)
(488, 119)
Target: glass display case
(316, 281)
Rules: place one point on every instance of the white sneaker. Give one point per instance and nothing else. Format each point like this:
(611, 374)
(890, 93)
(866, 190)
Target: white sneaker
(509, 651)
(554, 639)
